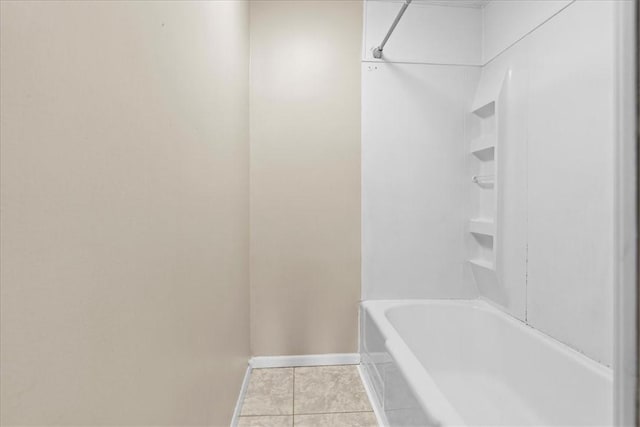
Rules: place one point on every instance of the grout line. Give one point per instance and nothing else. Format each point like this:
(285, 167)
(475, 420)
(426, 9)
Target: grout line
(293, 393)
(267, 415)
(306, 413)
(327, 366)
(254, 416)
(337, 412)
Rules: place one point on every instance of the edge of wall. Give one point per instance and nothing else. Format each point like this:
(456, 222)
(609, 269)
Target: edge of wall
(241, 395)
(627, 287)
(377, 410)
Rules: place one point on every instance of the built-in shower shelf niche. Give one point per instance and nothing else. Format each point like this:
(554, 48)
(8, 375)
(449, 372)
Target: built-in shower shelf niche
(485, 109)
(486, 134)
(482, 263)
(484, 146)
(483, 226)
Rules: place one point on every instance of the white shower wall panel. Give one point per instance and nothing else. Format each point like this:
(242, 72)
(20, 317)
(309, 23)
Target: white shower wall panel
(452, 32)
(414, 186)
(557, 213)
(556, 216)
(571, 177)
(427, 33)
(505, 22)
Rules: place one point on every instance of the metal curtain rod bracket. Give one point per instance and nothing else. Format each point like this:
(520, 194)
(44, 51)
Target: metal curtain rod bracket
(377, 52)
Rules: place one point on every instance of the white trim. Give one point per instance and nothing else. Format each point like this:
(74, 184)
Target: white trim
(243, 391)
(306, 360)
(377, 410)
(625, 361)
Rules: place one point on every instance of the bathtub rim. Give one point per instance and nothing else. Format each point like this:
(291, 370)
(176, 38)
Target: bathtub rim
(432, 400)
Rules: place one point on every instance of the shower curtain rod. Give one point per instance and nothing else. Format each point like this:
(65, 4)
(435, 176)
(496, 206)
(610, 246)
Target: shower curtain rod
(377, 52)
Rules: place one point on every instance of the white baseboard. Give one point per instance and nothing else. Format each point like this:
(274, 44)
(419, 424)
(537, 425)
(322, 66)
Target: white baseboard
(306, 360)
(243, 391)
(379, 413)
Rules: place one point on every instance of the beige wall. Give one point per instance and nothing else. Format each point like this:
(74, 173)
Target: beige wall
(124, 212)
(125, 202)
(305, 176)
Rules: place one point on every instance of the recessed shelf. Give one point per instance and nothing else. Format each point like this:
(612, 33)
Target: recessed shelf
(481, 146)
(487, 265)
(482, 226)
(485, 110)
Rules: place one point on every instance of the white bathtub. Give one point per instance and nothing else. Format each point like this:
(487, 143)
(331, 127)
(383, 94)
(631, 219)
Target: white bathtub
(446, 362)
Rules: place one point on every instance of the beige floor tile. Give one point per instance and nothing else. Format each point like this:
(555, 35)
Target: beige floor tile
(323, 389)
(269, 421)
(270, 392)
(351, 419)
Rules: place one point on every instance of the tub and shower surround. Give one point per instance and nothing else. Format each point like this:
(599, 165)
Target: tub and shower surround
(454, 362)
(488, 174)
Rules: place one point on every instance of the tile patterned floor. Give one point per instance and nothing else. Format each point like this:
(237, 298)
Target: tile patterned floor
(307, 397)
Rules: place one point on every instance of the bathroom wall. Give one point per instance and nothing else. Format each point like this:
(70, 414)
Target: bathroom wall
(447, 34)
(414, 192)
(414, 185)
(506, 22)
(305, 176)
(562, 76)
(571, 178)
(124, 130)
(557, 173)
(454, 32)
